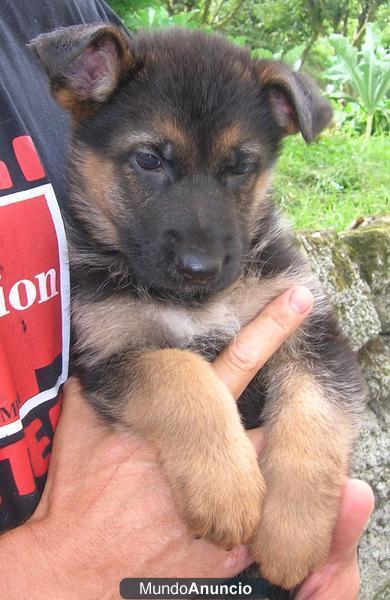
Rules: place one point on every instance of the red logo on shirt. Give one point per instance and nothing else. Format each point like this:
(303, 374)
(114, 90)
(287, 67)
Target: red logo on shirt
(34, 328)
(30, 298)
(28, 160)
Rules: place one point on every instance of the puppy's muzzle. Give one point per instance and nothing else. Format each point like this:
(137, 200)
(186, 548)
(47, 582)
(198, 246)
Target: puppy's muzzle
(197, 266)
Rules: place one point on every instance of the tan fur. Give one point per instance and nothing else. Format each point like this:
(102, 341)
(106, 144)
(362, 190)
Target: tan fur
(98, 202)
(227, 140)
(177, 401)
(79, 108)
(304, 465)
(170, 131)
(259, 195)
(99, 174)
(262, 186)
(64, 97)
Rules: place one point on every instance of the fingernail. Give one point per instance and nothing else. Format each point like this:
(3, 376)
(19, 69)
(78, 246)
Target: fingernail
(301, 299)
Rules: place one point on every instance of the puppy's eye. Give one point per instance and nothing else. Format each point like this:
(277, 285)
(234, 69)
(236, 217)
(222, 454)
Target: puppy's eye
(147, 161)
(237, 169)
(240, 169)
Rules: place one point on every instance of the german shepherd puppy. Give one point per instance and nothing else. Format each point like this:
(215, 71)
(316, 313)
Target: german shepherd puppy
(174, 246)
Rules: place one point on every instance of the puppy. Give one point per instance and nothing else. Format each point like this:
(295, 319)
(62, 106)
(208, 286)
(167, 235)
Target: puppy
(175, 245)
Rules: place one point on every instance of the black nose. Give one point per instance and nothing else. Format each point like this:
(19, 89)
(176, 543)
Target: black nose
(197, 266)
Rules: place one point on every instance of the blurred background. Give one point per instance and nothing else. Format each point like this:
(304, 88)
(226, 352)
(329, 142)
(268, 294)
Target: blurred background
(334, 191)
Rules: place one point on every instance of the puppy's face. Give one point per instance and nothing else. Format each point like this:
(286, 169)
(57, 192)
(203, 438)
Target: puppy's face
(175, 135)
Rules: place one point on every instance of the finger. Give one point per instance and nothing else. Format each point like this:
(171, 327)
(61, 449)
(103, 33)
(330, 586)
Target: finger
(239, 362)
(339, 578)
(357, 504)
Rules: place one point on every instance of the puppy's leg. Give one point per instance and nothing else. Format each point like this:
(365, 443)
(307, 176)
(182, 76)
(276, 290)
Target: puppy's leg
(304, 464)
(174, 399)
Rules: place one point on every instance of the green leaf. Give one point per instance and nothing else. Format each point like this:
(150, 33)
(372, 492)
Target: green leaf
(186, 18)
(240, 40)
(293, 57)
(261, 53)
(367, 72)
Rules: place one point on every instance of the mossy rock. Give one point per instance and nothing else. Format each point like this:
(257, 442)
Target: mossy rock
(374, 358)
(384, 593)
(369, 248)
(348, 292)
(354, 268)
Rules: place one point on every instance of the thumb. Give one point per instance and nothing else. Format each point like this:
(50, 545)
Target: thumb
(339, 578)
(239, 362)
(357, 505)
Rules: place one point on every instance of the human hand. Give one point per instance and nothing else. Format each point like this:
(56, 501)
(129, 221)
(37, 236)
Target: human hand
(107, 511)
(107, 499)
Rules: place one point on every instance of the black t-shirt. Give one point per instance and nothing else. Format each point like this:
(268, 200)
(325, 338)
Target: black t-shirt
(34, 278)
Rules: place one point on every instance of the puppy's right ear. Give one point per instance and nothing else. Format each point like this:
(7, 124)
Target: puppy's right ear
(84, 63)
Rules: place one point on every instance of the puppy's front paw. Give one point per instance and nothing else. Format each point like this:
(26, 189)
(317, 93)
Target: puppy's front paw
(220, 494)
(293, 539)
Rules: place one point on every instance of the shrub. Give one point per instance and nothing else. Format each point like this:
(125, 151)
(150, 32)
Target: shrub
(361, 79)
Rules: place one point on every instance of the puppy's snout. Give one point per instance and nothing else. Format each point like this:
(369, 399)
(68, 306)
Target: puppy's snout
(196, 259)
(196, 265)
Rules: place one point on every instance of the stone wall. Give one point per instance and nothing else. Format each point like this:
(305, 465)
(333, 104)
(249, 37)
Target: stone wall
(354, 268)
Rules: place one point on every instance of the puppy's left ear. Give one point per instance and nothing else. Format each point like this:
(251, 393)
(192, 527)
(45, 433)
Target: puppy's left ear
(84, 64)
(295, 102)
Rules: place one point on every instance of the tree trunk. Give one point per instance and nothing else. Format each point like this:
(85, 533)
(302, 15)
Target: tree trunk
(206, 11)
(309, 46)
(230, 15)
(367, 14)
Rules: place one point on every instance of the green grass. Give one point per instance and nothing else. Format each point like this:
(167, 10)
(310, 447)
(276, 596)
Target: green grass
(331, 182)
